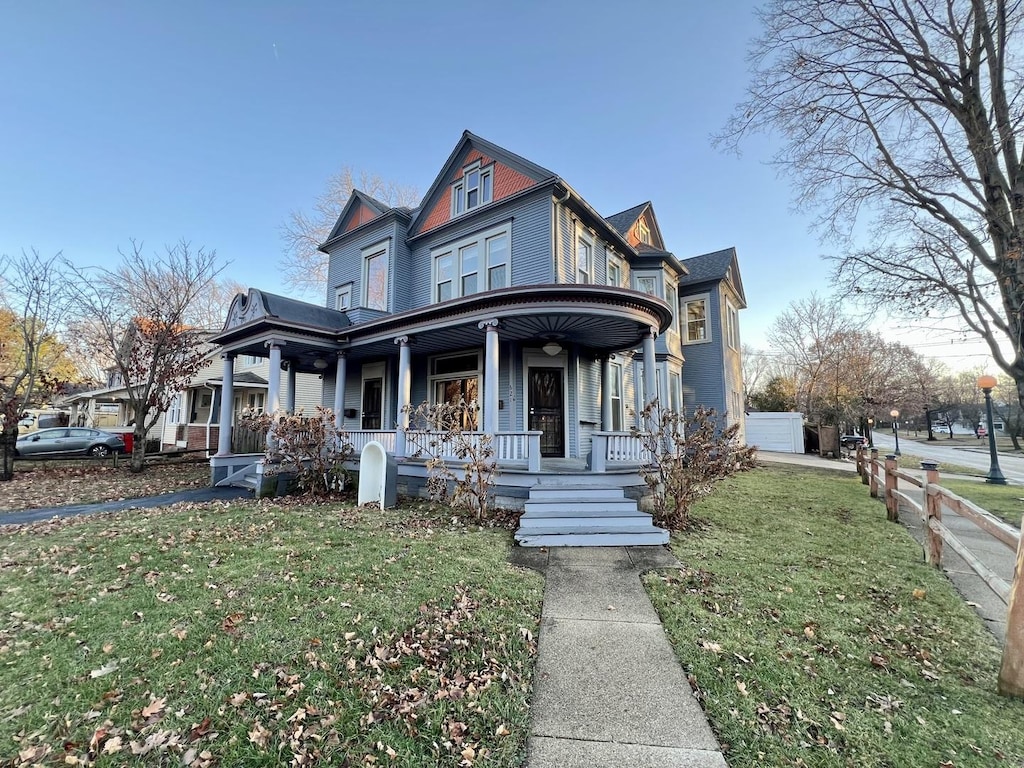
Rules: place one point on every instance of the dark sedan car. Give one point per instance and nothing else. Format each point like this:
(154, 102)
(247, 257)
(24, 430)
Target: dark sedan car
(69, 441)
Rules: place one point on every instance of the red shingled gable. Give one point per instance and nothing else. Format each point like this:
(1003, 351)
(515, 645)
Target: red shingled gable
(360, 215)
(507, 181)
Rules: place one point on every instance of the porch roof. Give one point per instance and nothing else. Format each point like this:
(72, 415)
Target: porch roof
(600, 319)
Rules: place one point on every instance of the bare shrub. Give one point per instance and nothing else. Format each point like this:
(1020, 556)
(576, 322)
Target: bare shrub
(689, 456)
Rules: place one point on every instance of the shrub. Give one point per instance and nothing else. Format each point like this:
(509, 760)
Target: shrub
(311, 447)
(438, 432)
(689, 455)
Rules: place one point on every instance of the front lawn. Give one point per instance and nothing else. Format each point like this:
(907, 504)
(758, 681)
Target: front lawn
(816, 636)
(1004, 501)
(260, 634)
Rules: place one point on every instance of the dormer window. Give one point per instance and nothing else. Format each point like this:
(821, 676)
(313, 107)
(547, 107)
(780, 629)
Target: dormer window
(643, 232)
(473, 189)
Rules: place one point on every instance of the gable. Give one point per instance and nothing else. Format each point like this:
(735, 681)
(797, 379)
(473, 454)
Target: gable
(639, 226)
(507, 175)
(359, 215)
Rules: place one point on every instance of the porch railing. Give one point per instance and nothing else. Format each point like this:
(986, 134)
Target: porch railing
(616, 446)
(360, 437)
(508, 446)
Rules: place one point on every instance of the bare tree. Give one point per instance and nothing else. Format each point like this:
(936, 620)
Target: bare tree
(905, 115)
(139, 315)
(210, 308)
(33, 303)
(304, 265)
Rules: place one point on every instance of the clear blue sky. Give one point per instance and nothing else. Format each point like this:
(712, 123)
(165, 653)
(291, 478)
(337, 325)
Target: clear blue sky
(210, 121)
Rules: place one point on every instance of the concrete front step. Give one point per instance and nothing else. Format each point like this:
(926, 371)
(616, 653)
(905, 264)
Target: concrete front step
(635, 524)
(578, 508)
(657, 538)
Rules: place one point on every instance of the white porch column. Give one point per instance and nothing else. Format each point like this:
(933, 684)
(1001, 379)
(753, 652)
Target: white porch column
(606, 394)
(289, 396)
(491, 387)
(404, 392)
(227, 406)
(650, 368)
(339, 390)
(273, 404)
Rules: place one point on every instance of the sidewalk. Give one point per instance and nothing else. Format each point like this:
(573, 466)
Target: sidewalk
(608, 689)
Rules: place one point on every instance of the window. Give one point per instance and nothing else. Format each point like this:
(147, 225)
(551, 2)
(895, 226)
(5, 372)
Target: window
(647, 284)
(615, 395)
(695, 315)
(675, 392)
(473, 189)
(375, 277)
(455, 379)
(174, 414)
(460, 269)
(584, 258)
(343, 298)
(249, 361)
(643, 233)
(673, 301)
(732, 326)
(614, 269)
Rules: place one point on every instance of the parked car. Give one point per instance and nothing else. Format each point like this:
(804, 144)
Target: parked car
(852, 441)
(68, 441)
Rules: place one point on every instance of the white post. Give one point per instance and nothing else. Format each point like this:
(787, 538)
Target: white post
(606, 394)
(339, 391)
(273, 404)
(491, 388)
(289, 397)
(650, 368)
(404, 392)
(227, 406)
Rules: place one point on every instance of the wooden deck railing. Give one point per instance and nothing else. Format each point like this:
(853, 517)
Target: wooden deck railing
(934, 500)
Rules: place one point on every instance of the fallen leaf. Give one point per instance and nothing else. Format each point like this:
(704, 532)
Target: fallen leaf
(155, 707)
(106, 669)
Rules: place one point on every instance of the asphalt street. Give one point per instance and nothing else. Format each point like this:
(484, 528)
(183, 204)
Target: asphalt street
(976, 457)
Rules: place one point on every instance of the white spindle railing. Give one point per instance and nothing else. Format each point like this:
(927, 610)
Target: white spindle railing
(360, 437)
(616, 446)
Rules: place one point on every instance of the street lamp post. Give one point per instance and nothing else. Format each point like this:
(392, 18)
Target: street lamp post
(895, 432)
(871, 429)
(995, 475)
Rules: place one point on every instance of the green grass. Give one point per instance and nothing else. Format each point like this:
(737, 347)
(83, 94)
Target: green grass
(261, 634)
(817, 636)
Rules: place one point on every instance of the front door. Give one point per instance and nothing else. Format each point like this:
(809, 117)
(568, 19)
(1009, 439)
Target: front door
(373, 403)
(547, 409)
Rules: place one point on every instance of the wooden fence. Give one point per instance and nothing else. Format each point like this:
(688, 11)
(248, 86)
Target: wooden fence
(885, 476)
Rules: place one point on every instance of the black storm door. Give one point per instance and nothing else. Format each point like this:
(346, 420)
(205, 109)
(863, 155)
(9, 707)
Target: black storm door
(547, 409)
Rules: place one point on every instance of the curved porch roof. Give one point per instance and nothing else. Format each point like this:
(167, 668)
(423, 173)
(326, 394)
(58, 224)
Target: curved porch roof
(599, 319)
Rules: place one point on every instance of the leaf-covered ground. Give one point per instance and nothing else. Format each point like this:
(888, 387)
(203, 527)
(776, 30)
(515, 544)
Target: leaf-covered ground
(55, 483)
(815, 635)
(259, 634)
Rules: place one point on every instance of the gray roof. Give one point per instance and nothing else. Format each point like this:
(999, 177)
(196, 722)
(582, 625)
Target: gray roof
(713, 267)
(382, 207)
(623, 220)
(302, 313)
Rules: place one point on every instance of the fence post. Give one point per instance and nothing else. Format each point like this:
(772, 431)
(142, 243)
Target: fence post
(873, 468)
(860, 464)
(932, 509)
(892, 504)
(1011, 671)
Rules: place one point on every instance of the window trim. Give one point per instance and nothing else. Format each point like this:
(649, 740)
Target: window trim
(483, 270)
(343, 290)
(684, 321)
(616, 372)
(659, 282)
(612, 261)
(382, 248)
(732, 326)
(460, 188)
(643, 232)
(475, 373)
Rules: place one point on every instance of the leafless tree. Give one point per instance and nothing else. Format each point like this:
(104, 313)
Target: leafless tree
(904, 116)
(139, 317)
(33, 303)
(304, 265)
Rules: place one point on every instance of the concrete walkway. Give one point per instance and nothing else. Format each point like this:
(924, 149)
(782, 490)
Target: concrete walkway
(608, 689)
(71, 510)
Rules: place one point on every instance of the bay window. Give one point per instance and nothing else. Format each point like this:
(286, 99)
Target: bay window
(477, 263)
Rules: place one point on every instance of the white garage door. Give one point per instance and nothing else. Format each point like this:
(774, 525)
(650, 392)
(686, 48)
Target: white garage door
(782, 432)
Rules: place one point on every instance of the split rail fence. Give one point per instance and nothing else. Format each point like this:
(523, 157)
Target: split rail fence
(883, 477)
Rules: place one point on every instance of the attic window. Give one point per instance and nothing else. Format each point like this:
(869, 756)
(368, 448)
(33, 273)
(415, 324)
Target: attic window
(473, 189)
(643, 233)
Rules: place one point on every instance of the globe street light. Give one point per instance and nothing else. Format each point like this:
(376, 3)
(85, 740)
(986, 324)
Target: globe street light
(871, 429)
(895, 423)
(995, 475)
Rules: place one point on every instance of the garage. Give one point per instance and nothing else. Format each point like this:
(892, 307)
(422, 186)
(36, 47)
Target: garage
(780, 432)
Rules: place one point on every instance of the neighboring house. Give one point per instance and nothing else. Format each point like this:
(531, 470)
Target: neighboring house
(507, 288)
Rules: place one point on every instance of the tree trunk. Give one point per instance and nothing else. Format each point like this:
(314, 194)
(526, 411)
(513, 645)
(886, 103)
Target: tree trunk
(138, 462)
(8, 441)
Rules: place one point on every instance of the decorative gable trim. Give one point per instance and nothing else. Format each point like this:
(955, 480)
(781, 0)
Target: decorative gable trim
(360, 209)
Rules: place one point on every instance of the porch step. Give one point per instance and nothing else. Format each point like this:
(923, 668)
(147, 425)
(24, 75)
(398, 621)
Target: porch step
(246, 481)
(657, 538)
(585, 516)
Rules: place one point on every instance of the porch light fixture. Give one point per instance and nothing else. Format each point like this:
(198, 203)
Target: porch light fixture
(552, 348)
(320, 364)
